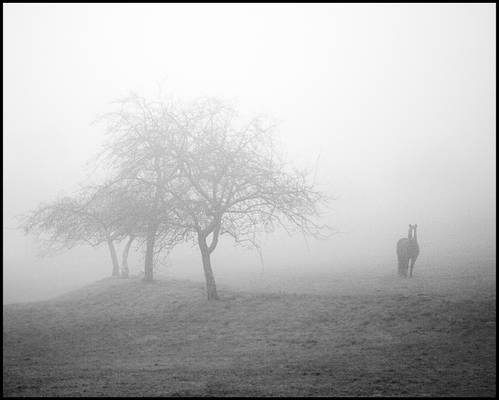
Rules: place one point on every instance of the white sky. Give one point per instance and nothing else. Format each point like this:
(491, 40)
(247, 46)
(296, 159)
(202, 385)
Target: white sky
(398, 100)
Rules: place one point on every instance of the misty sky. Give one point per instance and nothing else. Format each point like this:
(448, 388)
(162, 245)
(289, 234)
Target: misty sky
(396, 102)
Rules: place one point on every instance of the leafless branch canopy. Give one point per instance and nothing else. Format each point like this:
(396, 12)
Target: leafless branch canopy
(184, 172)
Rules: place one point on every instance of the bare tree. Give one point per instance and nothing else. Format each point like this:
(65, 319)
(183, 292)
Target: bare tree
(137, 154)
(232, 181)
(205, 174)
(87, 218)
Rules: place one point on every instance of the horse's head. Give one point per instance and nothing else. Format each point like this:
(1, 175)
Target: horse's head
(412, 231)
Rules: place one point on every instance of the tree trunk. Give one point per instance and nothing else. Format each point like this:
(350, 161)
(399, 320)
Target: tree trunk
(124, 264)
(211, 287)
(148, 266)
(152, 230)
(114, 258)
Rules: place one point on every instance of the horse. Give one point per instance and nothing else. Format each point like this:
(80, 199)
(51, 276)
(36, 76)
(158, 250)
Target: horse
(408, 251)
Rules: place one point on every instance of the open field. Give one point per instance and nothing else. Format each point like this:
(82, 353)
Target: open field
(352, 336)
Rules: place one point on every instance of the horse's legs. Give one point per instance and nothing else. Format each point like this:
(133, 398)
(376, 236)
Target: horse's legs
(412, 261)
(403, 265)
(400, 266)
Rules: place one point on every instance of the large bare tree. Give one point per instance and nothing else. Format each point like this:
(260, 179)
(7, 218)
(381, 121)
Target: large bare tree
(233, 181)
(206, 173)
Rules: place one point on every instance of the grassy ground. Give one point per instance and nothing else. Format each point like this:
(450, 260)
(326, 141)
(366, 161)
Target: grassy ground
(429, 336)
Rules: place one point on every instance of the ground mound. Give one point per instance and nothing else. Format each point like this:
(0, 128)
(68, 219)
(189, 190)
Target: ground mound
(122, 337)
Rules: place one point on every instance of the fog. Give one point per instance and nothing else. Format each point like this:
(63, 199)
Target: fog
(392, 104)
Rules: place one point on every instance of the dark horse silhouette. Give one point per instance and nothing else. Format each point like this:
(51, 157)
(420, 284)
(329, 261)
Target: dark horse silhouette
(408, 251)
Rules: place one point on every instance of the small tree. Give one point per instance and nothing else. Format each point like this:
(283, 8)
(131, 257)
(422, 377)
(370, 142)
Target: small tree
(71, 221)
(232, 181)
(59, 225)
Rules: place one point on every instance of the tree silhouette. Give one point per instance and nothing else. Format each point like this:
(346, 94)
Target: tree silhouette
(233, 181)
(87, 218)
